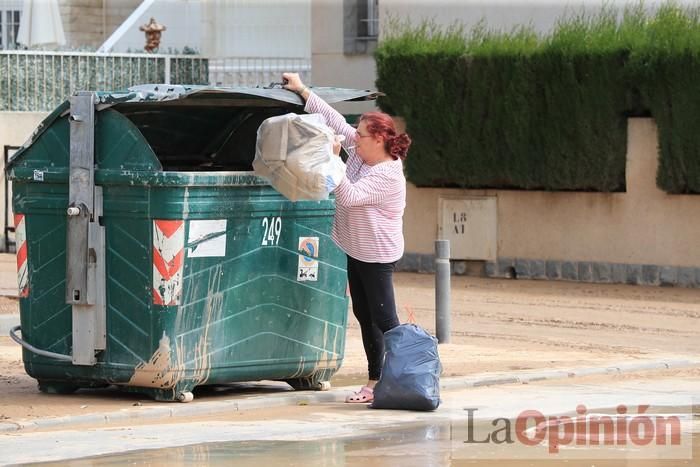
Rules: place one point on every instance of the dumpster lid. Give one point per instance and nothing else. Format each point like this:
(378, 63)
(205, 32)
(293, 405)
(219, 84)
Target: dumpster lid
(194, 95)
(208, 95)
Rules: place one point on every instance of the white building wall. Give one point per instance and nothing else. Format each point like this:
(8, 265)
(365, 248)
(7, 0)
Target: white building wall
(228, 28)
(260, 28)
(183, 20)
(330, 65)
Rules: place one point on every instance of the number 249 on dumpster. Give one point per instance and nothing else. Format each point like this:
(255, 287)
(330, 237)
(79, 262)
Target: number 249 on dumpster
(272, 227)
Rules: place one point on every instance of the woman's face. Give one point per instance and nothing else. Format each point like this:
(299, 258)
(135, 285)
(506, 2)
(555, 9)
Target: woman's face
(368, 147)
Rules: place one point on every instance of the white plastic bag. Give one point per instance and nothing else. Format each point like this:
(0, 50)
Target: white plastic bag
(295, 153)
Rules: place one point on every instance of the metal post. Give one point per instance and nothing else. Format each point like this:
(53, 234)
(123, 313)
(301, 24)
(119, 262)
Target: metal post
(167, 70)
(85, 269)
(442, 290)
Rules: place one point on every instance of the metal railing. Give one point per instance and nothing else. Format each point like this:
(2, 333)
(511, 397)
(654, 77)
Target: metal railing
(41, 80)
(255, 71)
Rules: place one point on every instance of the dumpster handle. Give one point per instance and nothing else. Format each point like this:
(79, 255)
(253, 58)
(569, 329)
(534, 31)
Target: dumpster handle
(33, 349)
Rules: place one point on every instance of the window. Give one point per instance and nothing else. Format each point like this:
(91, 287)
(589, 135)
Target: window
(360, 26)
(10, 14)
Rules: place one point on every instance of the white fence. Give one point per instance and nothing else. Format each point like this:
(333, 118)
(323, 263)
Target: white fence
(255, 71)
(40, 81)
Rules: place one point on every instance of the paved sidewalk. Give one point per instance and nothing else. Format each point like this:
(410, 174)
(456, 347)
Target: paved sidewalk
(332, 433)
(279, 395)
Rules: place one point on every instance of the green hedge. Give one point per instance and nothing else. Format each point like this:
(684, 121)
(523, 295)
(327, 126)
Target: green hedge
(667, 75)
(514, 110)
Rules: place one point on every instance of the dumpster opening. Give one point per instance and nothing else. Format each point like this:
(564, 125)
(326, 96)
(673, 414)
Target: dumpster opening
(198, 138)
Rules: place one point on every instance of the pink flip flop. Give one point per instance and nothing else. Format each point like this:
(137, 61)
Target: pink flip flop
(363, 396)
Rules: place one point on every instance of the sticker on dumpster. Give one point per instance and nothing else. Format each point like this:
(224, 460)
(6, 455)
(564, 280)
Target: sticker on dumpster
(38, 176)
(308, 262)
(21, 242)
(168, 259)
(206, 238)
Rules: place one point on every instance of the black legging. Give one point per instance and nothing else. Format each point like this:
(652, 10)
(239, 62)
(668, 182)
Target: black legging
(372, 292)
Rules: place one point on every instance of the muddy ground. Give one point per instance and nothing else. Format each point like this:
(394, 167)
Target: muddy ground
(497, 326)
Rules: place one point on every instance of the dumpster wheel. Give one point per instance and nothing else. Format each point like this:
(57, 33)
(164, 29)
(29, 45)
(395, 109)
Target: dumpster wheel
(307, 384)
(185, 396)
(57, 387)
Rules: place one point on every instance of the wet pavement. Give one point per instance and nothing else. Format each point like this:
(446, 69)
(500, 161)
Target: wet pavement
(461, 432)
(422, 446)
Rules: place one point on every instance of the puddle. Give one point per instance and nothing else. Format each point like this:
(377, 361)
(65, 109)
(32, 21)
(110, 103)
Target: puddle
(424, 446)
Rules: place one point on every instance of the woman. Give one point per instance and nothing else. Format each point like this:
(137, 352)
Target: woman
(368, 223)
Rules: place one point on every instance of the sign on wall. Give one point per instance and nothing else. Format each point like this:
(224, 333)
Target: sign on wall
(471, 226)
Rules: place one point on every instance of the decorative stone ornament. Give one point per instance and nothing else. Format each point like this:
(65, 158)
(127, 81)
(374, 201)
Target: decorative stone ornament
(153, 32)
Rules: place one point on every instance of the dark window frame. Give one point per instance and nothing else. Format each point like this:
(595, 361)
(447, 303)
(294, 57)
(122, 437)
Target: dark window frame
(360, 26)
(9, 28)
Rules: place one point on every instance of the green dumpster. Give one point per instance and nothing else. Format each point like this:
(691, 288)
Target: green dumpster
(151, 257)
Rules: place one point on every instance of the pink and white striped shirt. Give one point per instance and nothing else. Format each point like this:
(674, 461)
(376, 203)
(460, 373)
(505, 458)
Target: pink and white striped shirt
(368, 222)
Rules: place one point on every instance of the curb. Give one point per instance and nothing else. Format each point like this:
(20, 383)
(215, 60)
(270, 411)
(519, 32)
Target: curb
(335, 395)
(8, 293)
(526, 377)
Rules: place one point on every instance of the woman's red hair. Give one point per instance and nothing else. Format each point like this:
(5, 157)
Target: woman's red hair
(381, 124)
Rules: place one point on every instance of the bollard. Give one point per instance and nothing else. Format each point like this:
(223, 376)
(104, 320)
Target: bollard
(442, 291)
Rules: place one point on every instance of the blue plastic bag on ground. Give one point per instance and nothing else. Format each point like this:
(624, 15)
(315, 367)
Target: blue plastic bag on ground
(411, 373)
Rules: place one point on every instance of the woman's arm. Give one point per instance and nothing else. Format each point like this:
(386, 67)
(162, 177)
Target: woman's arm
(334, 119)
(315, 104)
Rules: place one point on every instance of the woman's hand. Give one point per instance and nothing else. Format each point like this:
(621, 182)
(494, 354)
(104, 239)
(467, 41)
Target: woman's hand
(293, 83)
(336, 144)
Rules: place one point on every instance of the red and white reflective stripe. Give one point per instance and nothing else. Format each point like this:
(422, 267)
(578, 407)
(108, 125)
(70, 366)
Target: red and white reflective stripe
(168, 260)
(21, 242)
